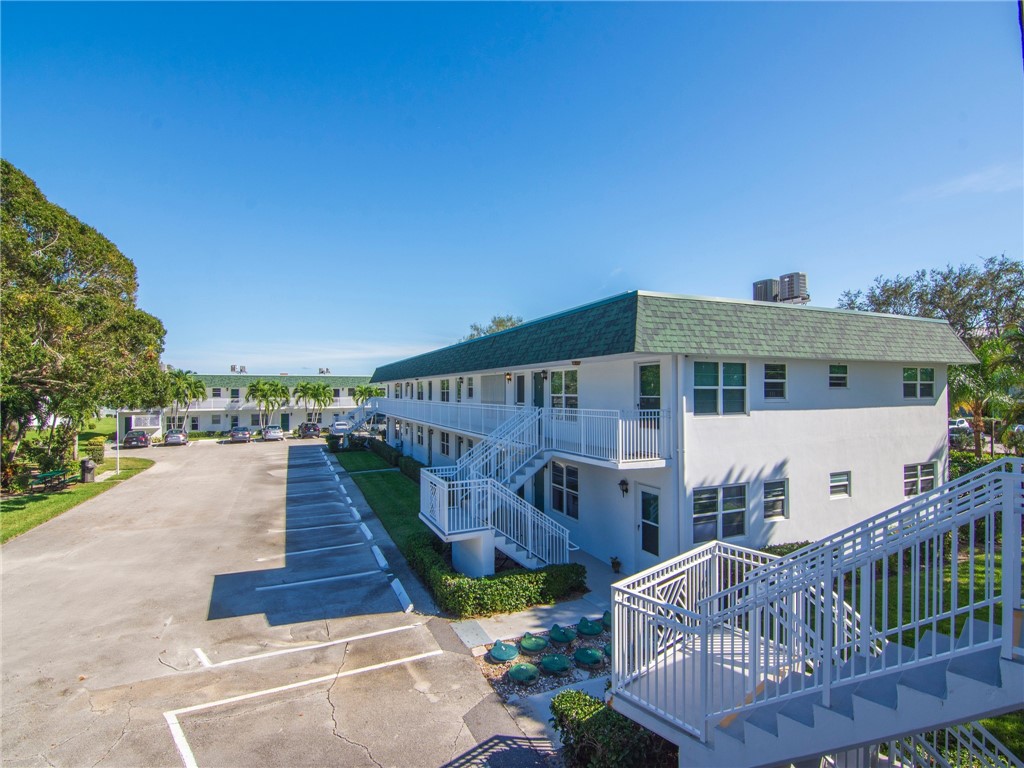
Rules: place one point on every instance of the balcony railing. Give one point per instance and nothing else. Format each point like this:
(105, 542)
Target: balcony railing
(240, 404)
(615, 436)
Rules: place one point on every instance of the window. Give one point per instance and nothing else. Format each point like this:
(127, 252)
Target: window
(469, 444)
(565, 389)
(774, 381)
(408, 389)
(458, 455)
(234, 422)
(446, 394)
(711, 398)
(178, 423)
(351, 391)
(520, 389)
(194, 425)
(469, 387)
(309, 416)
(839, 486)
(430, 390)
(565, 489)
(719, 513)
(838, 377)
(215, 419)
(215, 392)
(419, 435)
(776, 498)
(419, 390)
(234, 395)
(319, 418)
(254, 420)
(337, 394)
(918, 478)
(919, 382)
(458, 390)
(445, 444)
(396, 390)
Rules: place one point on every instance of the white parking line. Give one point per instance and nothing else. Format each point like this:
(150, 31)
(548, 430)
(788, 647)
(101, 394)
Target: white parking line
(205, 660)
(309, 528)
(289, 584)
(185, 751)
(309, 551)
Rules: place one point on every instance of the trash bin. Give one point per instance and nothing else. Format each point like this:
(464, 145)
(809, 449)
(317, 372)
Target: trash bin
(88, 471)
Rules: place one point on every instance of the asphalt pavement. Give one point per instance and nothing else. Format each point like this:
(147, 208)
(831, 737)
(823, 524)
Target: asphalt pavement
(235, 605)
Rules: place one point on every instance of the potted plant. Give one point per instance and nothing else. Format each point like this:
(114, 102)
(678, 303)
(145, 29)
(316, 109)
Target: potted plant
(616, 564)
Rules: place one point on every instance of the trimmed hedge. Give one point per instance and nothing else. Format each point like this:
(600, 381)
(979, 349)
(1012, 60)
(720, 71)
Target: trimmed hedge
(385, 451)
(506, 592)
(781, 550)
(962, 462)
(410, 468)
(94, 449)
(595, 736)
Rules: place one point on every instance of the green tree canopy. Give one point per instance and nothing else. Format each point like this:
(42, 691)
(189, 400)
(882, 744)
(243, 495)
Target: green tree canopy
(183, 388)
(72, 338)
(498, 323)
(978, 302)
(366, 391)
(269, 396)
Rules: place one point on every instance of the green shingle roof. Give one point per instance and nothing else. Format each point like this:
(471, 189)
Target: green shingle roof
(656, 323)
(238, 380)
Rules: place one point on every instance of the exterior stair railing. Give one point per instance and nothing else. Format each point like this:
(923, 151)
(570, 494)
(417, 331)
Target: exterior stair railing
(878, 597)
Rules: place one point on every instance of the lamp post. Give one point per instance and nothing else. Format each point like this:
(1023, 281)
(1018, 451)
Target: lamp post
(117, 440)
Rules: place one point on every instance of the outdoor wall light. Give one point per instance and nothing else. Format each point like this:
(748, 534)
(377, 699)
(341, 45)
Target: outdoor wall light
(624, 486)
(460, 379)
(577, 362)
(508, 377)
(544, 375)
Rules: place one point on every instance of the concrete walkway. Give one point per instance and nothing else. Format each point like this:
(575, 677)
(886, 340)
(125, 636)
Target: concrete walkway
(476, 633)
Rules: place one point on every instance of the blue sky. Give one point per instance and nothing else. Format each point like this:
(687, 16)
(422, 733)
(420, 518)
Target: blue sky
(341, 185)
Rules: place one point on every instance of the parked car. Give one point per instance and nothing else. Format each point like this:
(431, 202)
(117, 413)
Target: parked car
(340, 427)
(273, 432)
(240, 435)
(960, 424)
(960, 438)
(176, 437)
(137, 438)
(309, 429)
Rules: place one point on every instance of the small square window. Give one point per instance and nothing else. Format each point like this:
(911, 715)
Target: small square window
(919, 383)
(774, 381)
(838, 377)
(215, 392)
(918, 478)
(775, 498)
(839, 486)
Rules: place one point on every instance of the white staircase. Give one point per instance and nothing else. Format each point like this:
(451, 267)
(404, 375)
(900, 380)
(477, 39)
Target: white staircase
(362, 414)
(477, 495)
(901, 624)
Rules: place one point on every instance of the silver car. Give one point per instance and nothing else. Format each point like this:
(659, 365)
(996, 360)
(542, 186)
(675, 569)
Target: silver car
(273, 432)
(176, 437)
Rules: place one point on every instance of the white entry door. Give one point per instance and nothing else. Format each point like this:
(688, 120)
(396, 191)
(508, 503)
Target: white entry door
(648, 527)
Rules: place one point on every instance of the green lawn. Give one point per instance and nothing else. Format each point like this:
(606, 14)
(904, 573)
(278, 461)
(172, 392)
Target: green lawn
(395, 499)
(22, 513)
(361, 461)
(105, 428)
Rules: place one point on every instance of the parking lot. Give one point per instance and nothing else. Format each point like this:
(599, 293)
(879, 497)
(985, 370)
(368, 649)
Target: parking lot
(234, 605)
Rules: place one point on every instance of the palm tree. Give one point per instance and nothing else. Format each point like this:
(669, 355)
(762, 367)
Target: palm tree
(184, 388)
(323, 396)
(276, 398)
(269, 396)
(305, 392)
(986, 386)
(364, 392)
(256, 392)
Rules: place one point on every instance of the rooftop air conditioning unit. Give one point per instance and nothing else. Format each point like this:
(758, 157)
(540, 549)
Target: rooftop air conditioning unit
(766, 290)
(241, 369)
(793, 288)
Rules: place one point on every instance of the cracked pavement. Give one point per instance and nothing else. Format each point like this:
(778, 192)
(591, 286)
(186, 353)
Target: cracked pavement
(103, 606)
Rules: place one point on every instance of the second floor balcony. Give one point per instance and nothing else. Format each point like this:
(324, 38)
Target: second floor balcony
(638, 438)
(227, 404)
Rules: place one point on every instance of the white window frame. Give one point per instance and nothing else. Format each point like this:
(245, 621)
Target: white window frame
(772, 498)
(446, 391)
(570, 498)
(919, 478)
(917, 387)
(446, 444)
(837, 482)
(235, 394)
(720, 388)
(725, 505)
(419, 434)
(215, 419)
(837, 379)
(469, 387)
(254, 419)
(419, 390)
(775, 382)
(215, 392)
(560, 398)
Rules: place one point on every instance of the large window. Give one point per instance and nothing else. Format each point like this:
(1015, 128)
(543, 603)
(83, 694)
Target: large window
(774, 381)
(565, 391)
(565, 489)
(419, 390)
(838, 376)
(719, 513)
(919, 382)
(840, 485)
(446, 394)
(173, 423)
(719, 388)
(446, 443)
(918, 478)
(776, 498)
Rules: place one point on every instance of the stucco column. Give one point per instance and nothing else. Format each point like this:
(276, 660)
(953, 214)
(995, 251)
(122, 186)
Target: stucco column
(475, 556)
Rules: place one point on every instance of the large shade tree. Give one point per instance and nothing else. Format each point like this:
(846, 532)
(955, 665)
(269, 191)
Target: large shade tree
(72, 339)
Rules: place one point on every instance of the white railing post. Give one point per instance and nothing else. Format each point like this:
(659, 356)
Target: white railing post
(1011, 514)
(705, 669)
(827, 641)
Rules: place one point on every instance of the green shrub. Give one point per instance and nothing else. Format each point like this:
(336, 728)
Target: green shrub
(962, 462)
(334, 443)
(781, 550)
(1014, 441)
(385, 451)
(595, 736)
(94, 449)
(410, 468)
